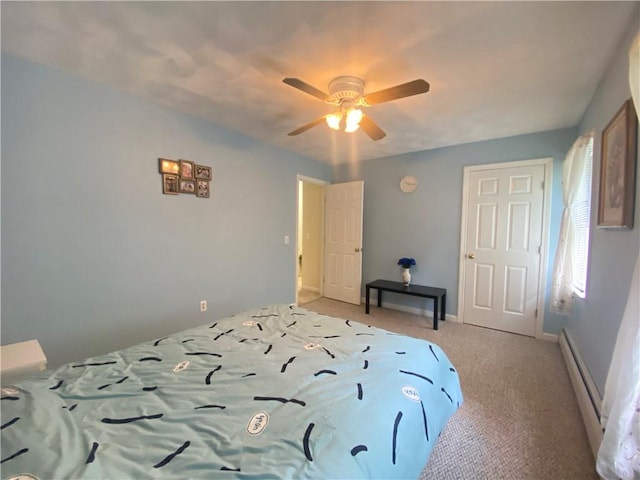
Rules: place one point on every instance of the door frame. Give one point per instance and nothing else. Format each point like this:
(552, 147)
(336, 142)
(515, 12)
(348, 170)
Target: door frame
(316, 181)
(544, 247)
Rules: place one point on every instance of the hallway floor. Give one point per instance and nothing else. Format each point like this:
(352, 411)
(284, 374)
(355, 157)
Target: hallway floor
(306, 296)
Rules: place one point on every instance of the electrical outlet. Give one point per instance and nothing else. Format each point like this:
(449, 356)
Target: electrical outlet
(203, 305)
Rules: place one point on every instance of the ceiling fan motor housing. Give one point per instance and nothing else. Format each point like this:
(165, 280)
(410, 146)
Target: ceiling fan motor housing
(345, 88)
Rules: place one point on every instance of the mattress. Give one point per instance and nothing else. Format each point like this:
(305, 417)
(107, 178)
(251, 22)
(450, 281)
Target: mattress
(275, 392)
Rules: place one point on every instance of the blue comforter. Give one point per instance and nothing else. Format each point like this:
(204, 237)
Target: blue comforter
(277, 392)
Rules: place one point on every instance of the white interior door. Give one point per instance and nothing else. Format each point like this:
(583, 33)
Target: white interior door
(343, 241)
(502, 246)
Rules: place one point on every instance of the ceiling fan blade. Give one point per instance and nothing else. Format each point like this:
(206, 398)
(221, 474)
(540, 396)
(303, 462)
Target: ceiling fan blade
(305, 87)
(306, 127)
(370, 127)
(399, 91)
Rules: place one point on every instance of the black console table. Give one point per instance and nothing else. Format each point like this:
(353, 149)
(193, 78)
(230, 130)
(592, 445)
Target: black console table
(435, 293)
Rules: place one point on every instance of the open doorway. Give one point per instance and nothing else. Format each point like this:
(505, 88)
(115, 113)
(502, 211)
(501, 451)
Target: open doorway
(310, 240)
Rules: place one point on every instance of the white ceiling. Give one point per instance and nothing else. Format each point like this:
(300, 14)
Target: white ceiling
(496, 69)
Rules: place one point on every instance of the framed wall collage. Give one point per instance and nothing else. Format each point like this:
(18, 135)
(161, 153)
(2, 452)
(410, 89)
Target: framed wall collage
(185, 176)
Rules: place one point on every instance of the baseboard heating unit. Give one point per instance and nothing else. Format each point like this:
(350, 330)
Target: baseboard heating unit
(589, 400)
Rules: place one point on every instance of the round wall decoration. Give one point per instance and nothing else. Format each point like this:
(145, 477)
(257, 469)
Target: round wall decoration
(408, 184)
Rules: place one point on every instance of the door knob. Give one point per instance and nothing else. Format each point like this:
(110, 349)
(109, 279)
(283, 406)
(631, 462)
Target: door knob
(471, 255)
(358, 250)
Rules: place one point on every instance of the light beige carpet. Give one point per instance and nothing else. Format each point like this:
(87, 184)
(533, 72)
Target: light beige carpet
(520, 418)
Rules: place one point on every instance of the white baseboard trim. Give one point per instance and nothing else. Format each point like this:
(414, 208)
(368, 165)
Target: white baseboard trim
(311, 289)
(423, 312)
(589, 400)
(549, 337)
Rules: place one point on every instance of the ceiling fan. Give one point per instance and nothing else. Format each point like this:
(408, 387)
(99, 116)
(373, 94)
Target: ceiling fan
(347, 93)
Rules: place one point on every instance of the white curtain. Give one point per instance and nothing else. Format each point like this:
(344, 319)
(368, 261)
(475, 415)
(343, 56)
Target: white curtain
(562, 291)
(619, 454)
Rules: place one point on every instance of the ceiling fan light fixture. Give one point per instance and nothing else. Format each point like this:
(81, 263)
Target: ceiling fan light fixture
(354, 116)
(347, 93)
(333, 120)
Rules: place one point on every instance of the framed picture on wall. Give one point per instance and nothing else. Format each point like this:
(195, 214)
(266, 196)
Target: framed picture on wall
(203, 172)
(618, 169)
(170, 184)
(187, 186)
(169, 166)
(186, 169)
(202, 188)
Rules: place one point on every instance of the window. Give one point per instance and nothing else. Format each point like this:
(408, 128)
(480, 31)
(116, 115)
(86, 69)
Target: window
(581, 213)
(570, 268)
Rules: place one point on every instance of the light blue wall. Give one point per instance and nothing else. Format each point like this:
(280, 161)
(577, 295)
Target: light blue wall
(426, 224)
(94, 256)
(595, 321)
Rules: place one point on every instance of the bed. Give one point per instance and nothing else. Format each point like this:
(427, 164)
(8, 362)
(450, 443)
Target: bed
(275, 392)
